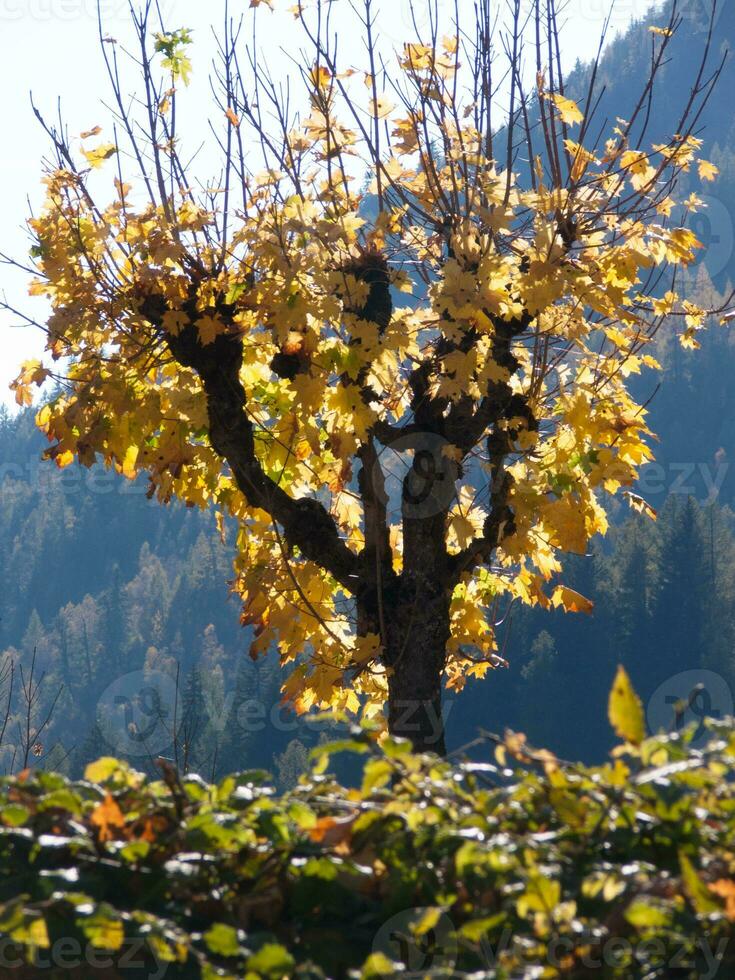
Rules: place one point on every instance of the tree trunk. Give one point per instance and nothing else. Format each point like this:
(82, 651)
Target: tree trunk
(418, 631)
(417, 620)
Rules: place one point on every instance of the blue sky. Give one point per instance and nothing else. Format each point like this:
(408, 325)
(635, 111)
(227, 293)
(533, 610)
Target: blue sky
(50, 47)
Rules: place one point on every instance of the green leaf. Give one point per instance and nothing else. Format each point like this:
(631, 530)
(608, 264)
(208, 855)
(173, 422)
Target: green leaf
(235, 292)
(475, 930)
(377, 773)
(377, 966)
(172, 45)
(136, 850)
(62, 798)
(342, 745)
(541, 895)
(302, 815)
(271, 960)
(696, 891)
(14, 815)
(645, 913)
(427, 921)
(103, 928)
(222, 939)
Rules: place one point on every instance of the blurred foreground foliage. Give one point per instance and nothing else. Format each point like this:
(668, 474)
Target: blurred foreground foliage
(517, 865)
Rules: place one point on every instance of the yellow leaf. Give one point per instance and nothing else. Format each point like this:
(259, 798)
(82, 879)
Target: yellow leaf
(366, 649)
(640, 505)
(571, 601)
(625, 710)
(101, 769)
(174, 321)
(95, 158)
(128, 465)
(64, 459)
(43, 417)
(707, 170)
(568, 110)
(417, 57)
(382, 107)
(320, 76)
(208, 327)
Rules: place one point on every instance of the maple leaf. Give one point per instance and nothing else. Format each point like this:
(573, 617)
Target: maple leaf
(568, 110)
(639, 505)
(707, 170)
(209, 327)
(570, 600)
(96, 157)
(108, 818)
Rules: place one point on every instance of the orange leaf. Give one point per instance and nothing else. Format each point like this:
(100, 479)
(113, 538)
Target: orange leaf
(725, 889)
(333, 831)
(107, 815)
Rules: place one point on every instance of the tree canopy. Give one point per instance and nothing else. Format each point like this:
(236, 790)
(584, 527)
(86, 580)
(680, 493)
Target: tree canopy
(410, 391)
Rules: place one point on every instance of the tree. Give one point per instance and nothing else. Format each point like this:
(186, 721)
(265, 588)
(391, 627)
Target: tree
(398, 474)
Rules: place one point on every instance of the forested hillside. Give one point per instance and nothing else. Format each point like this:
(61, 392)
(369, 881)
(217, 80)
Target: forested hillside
(108, 589)
(104, 585)
(692, 411)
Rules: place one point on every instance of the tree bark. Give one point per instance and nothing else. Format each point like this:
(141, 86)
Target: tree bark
(418, 631)
(417, 625)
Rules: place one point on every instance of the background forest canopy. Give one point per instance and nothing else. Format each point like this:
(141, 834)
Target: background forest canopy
(108, 589)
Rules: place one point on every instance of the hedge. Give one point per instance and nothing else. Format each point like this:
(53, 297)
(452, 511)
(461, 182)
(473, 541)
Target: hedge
(513, 864)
